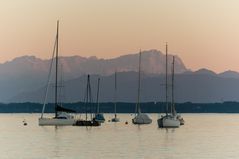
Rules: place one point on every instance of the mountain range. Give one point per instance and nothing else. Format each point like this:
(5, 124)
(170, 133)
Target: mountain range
(24, 79)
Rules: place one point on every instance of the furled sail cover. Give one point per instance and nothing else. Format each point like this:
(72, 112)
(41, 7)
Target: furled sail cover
(62, 109)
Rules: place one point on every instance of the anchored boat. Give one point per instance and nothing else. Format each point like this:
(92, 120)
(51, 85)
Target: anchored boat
(62, 115)
(99, 116)
(88, 109)
(115, 119)
(170, 120)
(140, 118)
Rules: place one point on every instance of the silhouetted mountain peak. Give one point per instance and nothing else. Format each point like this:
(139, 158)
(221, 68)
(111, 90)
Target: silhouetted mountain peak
(204, 71)
(26, 58)
(93, 58)
(28, 73)
(229, 74)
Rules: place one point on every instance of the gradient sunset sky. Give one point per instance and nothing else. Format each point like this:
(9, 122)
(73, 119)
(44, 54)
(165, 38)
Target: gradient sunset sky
(204, 33)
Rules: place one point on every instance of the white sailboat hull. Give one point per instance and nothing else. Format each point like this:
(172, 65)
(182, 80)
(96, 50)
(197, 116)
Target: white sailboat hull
(168, 122)
(56, 122)
(141, 119)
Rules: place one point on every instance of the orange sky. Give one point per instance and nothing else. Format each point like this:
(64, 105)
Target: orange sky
(203, 33)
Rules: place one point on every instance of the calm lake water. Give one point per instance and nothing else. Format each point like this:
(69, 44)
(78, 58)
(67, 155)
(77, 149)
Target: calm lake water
(205, 136)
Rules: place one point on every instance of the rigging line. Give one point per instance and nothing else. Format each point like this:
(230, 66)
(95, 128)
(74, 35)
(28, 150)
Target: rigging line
(49, 79)
(139, 84)
(84, 100)
(97, 96)
(90, 100)
(166, 78)
(173, 76)
(56, 80)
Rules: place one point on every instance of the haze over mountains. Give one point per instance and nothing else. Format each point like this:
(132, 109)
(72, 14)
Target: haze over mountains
(24, 79)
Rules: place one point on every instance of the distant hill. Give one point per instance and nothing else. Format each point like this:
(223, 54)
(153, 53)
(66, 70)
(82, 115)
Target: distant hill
(204, 71)
(193, 87)
(24, 79)
(229, 74)
(29, 73)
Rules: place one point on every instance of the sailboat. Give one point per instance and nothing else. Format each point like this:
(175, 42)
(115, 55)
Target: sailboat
(99, 116)
(140, 118)
(115, 119)
(174, 112)
(62, 116)
(88, 103)
(170, 119)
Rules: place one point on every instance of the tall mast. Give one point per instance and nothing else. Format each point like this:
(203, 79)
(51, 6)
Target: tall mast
(87, 97)
(139, 85)
(115, 93)
(173, 86)
(166, 78)
(90, 100)
(98, 91)
(57, 42)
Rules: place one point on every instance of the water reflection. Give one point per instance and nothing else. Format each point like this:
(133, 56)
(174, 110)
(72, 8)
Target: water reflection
(118, 140)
